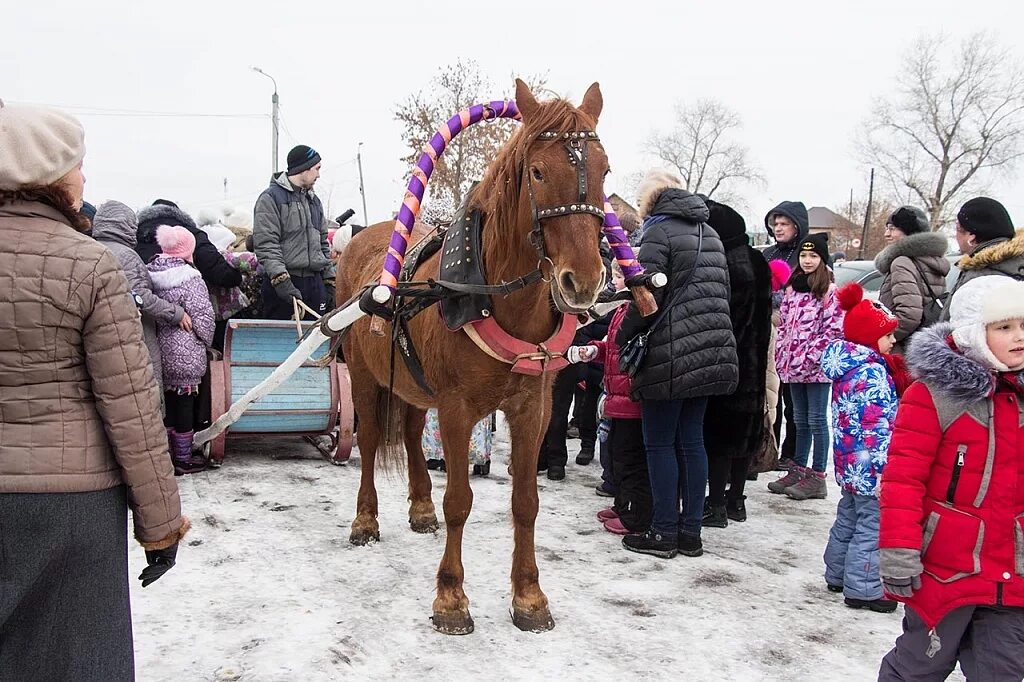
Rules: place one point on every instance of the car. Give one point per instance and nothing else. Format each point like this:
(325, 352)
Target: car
(865, 273)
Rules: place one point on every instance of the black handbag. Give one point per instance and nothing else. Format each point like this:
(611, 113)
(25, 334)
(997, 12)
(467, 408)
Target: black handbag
(931, 312)
(634, 352)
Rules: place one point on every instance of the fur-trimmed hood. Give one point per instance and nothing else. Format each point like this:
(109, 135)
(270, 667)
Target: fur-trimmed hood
(1000, 251)
(934, 359)
(920, 245)
(168, 273)
(161, 214)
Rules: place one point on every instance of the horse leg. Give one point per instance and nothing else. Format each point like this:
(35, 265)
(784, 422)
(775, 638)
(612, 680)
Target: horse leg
(364, 397)
(527, 419)
(422, 518)
(451, 606)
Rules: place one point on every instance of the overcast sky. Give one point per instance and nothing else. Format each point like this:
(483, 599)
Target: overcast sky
(803, 76)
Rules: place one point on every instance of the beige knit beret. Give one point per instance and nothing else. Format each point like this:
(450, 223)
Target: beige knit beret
(38, 145)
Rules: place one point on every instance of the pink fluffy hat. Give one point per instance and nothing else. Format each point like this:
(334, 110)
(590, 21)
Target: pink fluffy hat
(175, 241)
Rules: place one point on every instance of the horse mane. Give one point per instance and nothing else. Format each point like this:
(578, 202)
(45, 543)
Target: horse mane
(498, 193)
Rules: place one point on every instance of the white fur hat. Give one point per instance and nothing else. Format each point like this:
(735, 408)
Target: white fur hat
(979, 302)
(38, 145)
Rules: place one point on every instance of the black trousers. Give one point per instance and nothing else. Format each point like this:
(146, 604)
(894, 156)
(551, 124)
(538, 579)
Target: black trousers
(784, 410)
(552, 450)
(586, 408)
(724, 470)
(314, 294)
(64, 611)
(629, 470)
(181, 410)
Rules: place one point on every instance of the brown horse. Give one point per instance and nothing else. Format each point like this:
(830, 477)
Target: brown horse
(468, 384)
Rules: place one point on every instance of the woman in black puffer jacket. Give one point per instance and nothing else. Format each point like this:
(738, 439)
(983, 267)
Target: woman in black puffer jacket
(691, 355)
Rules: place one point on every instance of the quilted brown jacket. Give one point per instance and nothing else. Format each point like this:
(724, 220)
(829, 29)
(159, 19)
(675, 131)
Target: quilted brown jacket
(903, 291)
(79, 408)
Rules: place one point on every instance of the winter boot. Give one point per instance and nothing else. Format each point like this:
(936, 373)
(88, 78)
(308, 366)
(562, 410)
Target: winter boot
(615, 527)
(585, 456)
(834, 588)
(876, 605)
(607, 514)
(714, 516)
(556, 472)
(482, 470)
(811, 487)
(735, 508)
(795, 475)
(652, 543)
(690, 545)
(185, 462)
(435, 464)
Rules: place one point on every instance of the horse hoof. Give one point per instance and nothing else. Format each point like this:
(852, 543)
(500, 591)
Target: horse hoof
(453, 623)
(533, 621)
(364, 537)
(427, 524)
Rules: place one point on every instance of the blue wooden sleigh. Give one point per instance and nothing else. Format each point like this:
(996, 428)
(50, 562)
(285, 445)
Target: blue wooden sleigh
(312, 402)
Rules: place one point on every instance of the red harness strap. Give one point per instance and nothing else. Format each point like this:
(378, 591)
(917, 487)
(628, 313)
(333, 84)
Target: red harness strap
(524, 357)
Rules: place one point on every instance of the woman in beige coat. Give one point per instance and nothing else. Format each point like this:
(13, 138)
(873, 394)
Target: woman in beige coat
(914, 267)
(81, 437)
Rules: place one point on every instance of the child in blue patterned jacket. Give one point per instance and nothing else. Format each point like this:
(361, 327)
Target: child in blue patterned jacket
(864, 401)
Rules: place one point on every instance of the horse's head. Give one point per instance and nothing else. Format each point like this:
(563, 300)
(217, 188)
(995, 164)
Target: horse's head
(555, 173)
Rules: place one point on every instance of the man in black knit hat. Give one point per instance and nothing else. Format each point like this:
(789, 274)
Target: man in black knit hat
(985, 234)
(290, 236)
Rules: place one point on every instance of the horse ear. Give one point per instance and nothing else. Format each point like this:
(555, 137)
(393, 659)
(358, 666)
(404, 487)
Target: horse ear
(592, 102)
(525, 100)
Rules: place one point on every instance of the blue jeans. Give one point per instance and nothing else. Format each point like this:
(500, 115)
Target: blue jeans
(851, 557)
(676, 462)
(810, 414)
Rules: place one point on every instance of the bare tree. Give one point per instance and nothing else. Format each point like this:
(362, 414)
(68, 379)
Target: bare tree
(700, 147)
(455, 87)
(953, 122)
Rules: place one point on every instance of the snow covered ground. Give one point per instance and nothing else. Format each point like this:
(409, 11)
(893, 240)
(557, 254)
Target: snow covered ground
(269, 588)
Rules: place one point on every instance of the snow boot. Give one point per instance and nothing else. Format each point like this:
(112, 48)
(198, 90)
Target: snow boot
(811, 487)
(585, 456)
(435, 464)
(556, 472)
(607, 514)
(876, 605)
(185, 462)
(482, 470)
(795, 475)
(834, 588)
(689, 545)
(602, 491)
(615, 527)
(652, 543)
(714, 516)
(735, 508)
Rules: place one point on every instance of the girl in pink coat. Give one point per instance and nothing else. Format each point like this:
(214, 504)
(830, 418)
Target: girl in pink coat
(810, 318)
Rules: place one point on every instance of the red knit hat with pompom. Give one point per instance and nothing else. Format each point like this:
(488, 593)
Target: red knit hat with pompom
(866, 321)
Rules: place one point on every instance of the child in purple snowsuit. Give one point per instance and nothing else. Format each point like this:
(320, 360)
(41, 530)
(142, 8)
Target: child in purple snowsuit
(182, 351)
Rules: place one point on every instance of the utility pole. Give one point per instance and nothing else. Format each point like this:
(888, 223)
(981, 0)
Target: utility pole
(362, 191)
(867, 215)
(275, 111)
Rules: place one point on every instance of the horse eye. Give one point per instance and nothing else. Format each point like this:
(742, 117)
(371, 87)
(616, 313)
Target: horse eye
(537, 175)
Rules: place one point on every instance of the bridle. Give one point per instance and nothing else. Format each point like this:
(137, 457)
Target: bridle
(576, 146)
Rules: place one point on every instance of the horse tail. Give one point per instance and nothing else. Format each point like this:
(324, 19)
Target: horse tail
(391, 417)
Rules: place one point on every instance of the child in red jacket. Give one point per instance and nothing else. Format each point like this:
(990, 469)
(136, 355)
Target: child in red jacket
(632, 510)
(952, 519)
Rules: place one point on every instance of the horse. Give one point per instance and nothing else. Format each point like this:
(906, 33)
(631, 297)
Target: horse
(529, 175)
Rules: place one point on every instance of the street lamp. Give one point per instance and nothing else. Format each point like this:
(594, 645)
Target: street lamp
(273, 113)
(362, 191)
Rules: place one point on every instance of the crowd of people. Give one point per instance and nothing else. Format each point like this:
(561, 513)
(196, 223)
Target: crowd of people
(108, 318)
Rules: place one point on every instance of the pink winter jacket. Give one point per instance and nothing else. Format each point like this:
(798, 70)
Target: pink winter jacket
(806, 327)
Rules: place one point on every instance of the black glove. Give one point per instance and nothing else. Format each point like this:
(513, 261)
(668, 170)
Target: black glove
(285, 290)
(160, 561)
